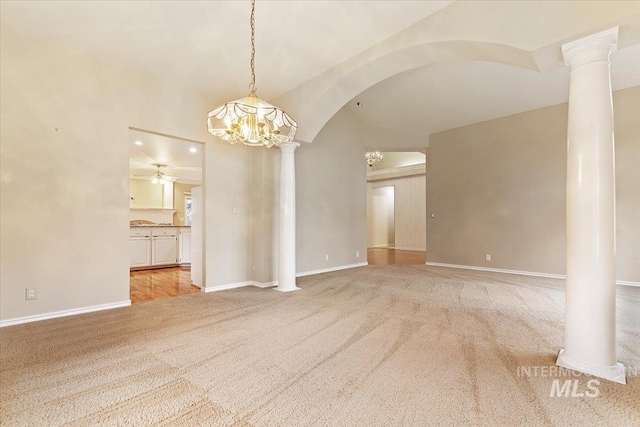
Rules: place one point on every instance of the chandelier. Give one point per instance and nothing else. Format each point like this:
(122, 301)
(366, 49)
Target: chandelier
(251, 120)
(374, 158)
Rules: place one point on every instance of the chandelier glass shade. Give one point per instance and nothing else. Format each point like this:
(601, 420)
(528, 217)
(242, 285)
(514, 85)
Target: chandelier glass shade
(374, 158)
(251, 120)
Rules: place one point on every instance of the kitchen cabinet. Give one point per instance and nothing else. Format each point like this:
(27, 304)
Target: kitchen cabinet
(185, 246)
(139, 248)
(164, 247)
(159, 246)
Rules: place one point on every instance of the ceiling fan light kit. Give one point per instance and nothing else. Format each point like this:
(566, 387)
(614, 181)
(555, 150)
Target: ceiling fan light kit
(251, 120)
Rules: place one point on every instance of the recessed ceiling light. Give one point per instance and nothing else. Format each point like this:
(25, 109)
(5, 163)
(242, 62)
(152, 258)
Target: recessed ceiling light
(138, 142)
(193, 149)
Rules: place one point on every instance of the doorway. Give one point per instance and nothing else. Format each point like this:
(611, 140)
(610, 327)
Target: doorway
(164, 173)
(396, 208)
(383, 221)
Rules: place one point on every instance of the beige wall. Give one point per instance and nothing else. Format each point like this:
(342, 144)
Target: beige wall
(410, 211)
(265, 214)
(228, 214)
(179, 191)
(66, 117)
(498, 188)
(626, 106)
(331, 197)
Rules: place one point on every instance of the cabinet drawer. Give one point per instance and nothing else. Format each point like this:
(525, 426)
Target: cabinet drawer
(139, 232)
(165, 232)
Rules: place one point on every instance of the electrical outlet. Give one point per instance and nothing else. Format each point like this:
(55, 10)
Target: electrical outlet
(253, 268)
(487, 257)
(357, 254)
(30, 294)
(326, 257)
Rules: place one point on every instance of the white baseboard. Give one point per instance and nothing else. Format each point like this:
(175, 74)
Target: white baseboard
(275, 283)
(496, 270)
(63, 313)
(522, 273)
(226, 287)
(410, 249)
(264, 285)
(330, 269)
(239, 285)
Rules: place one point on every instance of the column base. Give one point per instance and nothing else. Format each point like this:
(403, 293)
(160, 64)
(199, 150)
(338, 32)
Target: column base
(613, 373)
(286, 288)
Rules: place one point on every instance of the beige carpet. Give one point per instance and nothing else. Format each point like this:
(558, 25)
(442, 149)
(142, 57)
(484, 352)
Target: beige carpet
(374, 346)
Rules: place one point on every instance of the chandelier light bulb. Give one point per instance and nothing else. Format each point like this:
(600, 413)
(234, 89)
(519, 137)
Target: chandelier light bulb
(374, 158)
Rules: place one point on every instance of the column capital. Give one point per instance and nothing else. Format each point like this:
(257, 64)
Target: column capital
(289, 147)
(592, 48)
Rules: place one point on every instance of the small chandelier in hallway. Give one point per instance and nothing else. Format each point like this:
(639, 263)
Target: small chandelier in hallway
(251, 120)
(374, 158)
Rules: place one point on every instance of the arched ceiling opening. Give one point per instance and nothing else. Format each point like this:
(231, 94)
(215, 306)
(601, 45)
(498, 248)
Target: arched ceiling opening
(449, 95)
(485, 36)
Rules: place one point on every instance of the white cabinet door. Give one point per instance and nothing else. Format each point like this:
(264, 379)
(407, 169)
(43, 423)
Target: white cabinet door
(185, 246)
(139, 251)
(165, 250)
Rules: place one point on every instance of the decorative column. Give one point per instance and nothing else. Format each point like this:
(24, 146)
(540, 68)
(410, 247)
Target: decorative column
(590, 317)
(287, 247)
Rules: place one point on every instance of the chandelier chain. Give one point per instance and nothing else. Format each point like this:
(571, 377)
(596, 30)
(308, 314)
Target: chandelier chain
(252, 85)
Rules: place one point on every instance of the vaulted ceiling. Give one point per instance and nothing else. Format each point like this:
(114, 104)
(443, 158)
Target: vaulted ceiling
(424, 66)
(453, 94)
(205, 44)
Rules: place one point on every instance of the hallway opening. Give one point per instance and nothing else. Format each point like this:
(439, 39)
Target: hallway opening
(396, 208)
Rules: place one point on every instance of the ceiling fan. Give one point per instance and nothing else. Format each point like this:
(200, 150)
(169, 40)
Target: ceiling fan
(158, 177)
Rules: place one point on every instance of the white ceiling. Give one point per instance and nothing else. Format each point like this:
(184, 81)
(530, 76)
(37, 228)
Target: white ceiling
(205, 44)
(449, 95)
(175, 153)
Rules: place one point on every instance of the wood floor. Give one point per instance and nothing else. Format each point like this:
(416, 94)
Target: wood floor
(148, 285)
(386, 256)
